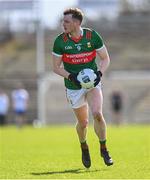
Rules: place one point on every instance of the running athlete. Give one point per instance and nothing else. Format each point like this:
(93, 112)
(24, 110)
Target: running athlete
(77, 48)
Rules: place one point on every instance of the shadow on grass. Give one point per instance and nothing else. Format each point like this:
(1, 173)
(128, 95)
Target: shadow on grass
(74, 171)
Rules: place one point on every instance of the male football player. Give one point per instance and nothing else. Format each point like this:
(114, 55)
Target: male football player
(77, 48)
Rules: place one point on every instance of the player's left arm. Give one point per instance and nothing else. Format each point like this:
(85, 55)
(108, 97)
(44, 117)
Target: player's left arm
(104, 59)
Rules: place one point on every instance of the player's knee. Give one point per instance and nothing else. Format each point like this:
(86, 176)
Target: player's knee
(84, 124)
(98, 115)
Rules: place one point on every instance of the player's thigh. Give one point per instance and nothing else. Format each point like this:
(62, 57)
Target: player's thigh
(81, 113)
(95, 100)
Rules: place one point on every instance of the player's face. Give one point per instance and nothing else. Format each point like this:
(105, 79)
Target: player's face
(69, 23)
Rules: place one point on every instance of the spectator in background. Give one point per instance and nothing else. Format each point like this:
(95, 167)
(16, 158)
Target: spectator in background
(20, 98)
(116, 105)
(4, 105)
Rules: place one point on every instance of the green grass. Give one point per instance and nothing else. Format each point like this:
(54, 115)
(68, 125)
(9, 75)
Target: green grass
(54, 152)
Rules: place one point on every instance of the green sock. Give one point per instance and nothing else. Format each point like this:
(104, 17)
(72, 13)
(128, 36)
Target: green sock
(84, 144)
(103, 144)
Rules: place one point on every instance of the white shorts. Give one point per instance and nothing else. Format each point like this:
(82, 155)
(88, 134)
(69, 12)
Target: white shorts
(77, 98)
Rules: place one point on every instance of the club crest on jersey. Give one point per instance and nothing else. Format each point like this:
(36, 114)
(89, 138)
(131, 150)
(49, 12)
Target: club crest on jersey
(88, 44)
(78, 48)
(68, 47)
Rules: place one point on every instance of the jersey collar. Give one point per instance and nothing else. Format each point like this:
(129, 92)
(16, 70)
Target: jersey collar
(77, 39)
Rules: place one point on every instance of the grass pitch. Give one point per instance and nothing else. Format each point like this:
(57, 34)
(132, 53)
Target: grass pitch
(54, 153)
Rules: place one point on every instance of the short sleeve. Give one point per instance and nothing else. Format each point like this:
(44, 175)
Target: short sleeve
(98, 41)
(57, 48)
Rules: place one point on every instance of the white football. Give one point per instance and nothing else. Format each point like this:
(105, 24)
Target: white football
(86, 78)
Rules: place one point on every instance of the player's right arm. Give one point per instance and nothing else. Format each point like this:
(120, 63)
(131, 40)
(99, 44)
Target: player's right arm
(57, 57)
(57, 62)
(57, 68)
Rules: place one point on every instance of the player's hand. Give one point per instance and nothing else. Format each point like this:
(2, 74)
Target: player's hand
(98, 79)
(73, 77)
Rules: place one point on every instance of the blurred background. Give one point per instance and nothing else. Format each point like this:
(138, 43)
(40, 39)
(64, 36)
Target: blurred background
(27, 32)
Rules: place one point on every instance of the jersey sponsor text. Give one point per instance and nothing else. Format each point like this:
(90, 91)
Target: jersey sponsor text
(79, 58)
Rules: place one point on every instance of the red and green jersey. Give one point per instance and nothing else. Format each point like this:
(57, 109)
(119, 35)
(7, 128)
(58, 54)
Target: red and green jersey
(78, 54)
